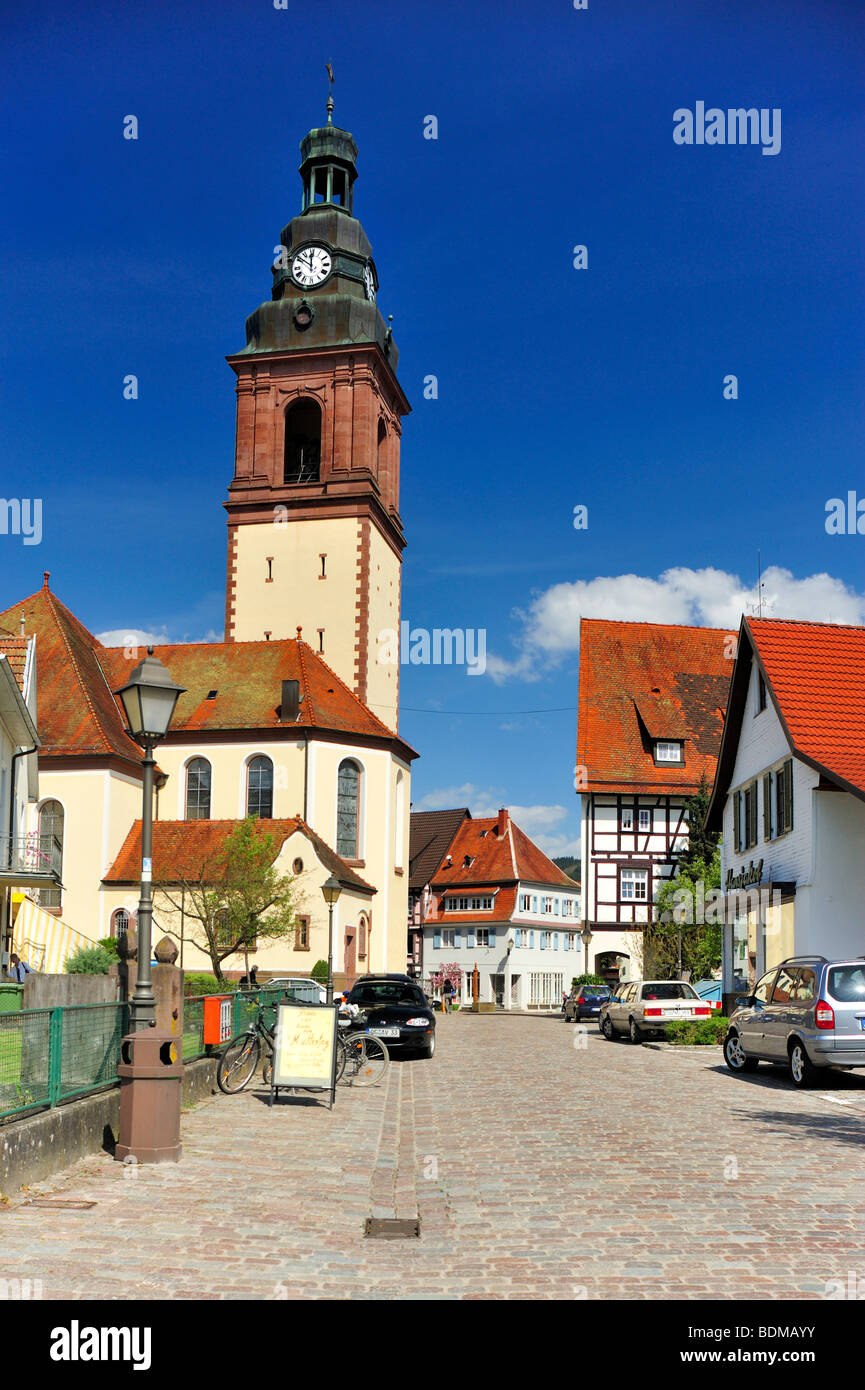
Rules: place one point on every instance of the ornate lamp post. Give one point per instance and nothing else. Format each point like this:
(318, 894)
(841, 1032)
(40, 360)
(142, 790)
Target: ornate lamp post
(331, 889)
(510, 946)
(149, 699)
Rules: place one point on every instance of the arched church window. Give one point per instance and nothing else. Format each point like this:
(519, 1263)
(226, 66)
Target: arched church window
(259, 788)
(347, 809)
(382, 441)
(302, 442)
(198, 790)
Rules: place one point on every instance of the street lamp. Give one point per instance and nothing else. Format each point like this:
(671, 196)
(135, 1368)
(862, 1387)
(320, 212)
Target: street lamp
(331, 889)
(586, 937)
(510, 945)
(148, 700)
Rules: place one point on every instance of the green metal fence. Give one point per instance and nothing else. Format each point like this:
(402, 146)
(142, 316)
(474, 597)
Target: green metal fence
(50, 1055)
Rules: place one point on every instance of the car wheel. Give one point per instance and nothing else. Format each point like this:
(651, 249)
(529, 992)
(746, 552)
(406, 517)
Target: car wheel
(803, 1073)
(607, 1028)
(633, 1032)
(735, 1055)
(430, 1048)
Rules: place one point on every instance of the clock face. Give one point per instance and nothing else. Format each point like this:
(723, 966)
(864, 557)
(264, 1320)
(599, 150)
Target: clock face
(311, 266)
(369, 282)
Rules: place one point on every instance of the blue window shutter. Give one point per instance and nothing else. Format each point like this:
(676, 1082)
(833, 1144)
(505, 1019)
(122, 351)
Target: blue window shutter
(492, 932)
(458, 937)
(531, 941)
(437, 940)
(470, 939)
(543, 941)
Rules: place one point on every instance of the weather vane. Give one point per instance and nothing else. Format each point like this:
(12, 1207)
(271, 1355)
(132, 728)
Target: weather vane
(328, 67)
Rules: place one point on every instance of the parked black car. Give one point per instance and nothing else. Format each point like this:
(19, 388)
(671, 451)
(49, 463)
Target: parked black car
(586, 1002)
(398, 1011)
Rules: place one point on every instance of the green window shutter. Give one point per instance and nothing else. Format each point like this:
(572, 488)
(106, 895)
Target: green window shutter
(754, 805)
(767, 805)
(788, 794)
(737, 822)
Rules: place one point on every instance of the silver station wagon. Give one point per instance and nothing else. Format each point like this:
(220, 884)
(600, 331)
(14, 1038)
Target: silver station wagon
(640, 1007)
(808, 1013)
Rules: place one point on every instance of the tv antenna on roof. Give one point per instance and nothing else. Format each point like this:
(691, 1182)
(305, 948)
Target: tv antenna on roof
(756, 609)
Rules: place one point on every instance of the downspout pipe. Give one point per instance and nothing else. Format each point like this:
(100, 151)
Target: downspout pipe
(22, 753)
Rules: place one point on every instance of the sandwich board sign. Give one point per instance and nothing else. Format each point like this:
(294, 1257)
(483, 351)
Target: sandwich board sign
(304, 1052)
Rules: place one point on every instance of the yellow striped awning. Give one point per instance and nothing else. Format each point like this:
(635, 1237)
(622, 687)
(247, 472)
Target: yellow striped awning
(42, 940)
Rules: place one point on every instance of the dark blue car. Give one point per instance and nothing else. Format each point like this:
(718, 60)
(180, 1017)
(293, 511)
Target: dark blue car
(586, 1002)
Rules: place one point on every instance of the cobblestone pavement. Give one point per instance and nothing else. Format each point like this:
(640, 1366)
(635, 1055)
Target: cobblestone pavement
(543, 1162)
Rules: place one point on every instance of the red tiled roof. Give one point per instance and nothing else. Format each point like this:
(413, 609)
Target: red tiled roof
(182, 849)
(430, 837)
(817, 674)
(78, 713)
(644, 681)
(15, 651)
(495, 858)
(247, 678)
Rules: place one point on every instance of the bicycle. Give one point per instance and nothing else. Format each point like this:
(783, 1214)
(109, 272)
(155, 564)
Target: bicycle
(239, 1061)
(362, 1058)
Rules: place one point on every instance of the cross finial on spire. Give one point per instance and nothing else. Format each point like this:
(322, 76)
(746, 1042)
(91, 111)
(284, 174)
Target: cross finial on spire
(329, 70)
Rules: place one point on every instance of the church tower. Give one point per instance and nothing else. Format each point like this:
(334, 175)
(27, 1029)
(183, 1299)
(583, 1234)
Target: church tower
(315, 538)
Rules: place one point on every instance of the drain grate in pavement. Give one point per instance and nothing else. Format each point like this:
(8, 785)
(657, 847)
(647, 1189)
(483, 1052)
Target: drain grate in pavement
(72, 1203)
(391, 1228)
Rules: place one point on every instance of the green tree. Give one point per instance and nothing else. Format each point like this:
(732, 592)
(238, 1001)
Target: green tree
(319, 972)
(237, 897)
(702, 843)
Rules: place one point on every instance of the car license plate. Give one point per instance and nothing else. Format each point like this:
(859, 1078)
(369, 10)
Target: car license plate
(384, 1032)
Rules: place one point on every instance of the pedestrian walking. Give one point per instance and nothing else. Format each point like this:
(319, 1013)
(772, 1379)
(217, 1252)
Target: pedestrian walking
(447, 996)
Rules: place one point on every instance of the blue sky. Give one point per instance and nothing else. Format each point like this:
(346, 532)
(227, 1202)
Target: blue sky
(556, 386)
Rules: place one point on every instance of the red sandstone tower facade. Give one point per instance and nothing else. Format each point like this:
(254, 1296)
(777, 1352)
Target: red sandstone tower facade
(315, 538)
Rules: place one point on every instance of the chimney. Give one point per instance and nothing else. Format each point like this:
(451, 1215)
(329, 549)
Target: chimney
(503, 823)
(291, 701)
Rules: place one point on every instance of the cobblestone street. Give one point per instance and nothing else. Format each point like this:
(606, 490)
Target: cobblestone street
(538, 1168)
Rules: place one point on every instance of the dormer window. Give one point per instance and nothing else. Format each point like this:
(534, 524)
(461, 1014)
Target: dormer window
(668, 751)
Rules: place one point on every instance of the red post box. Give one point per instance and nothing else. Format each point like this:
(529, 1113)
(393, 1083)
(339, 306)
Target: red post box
(217, 1018)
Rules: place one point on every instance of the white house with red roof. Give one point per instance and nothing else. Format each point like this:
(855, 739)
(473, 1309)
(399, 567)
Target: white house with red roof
(789, 795)
(499, 904)
(651, 712)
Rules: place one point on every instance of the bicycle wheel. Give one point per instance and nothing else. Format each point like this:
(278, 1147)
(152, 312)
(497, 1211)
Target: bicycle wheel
(340, 1058)
(372, 1060)
(238, 1063)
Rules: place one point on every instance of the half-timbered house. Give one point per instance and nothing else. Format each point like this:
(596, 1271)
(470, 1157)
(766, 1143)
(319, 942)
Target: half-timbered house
(651, 711)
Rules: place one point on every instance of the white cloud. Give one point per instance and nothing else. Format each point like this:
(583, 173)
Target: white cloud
(141, 637)
(132, 637)
(703, 598)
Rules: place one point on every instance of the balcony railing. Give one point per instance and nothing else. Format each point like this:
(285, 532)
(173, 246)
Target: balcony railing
(30, 858)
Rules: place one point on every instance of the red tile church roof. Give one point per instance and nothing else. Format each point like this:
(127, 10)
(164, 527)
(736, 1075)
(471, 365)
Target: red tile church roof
(183, 849)
(78, 713)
